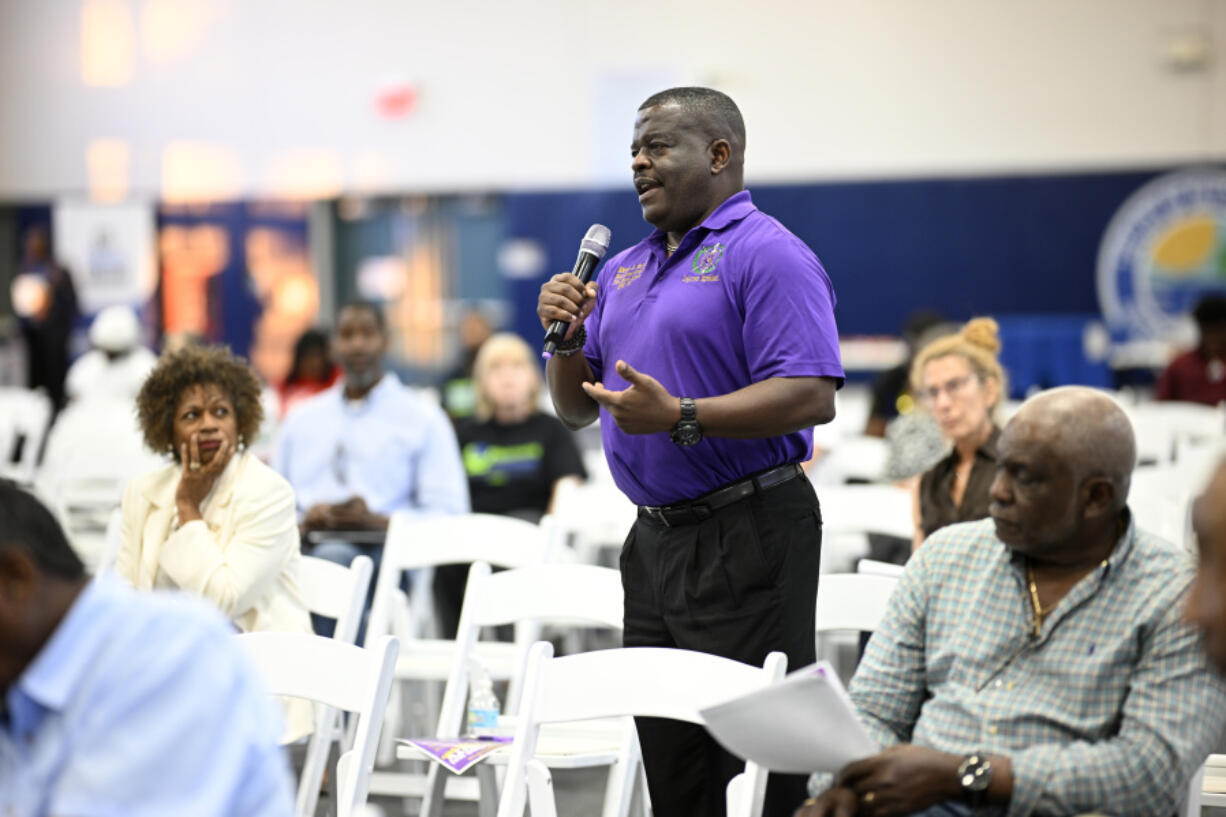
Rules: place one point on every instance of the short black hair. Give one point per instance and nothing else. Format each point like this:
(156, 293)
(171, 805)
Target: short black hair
(370, 306)
(1210, 311)
(720, 114)
(26, 523)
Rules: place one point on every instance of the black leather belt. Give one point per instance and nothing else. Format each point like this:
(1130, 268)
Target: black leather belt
(697, 510)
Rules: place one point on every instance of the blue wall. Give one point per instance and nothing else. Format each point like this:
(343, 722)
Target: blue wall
(997, 245)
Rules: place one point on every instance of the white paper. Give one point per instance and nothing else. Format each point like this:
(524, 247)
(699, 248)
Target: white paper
(805, 723)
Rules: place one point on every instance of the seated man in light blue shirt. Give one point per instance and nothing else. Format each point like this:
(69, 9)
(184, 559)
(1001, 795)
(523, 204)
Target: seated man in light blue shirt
(368, 446)
(118, 704)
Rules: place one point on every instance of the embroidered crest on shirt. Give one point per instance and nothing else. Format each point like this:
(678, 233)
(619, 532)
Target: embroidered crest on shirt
(625, 276)
(703, 264)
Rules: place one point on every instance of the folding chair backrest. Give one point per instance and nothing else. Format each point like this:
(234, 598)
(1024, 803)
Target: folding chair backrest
(111, 544)
(338, 675)
(25, 416)
(504, 541)
(337, 592)
(852, 601)
(414, 543)
(867, 509)
(638, 681)
(546, 593)
(1162, 429)
(643, 681)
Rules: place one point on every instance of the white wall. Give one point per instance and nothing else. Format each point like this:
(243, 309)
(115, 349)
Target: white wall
(277, 96)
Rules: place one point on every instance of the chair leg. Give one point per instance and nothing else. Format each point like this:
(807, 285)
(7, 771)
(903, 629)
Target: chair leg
(487, 780)
(619, 791)
(541, 802)
(436, 785)
(646, 799)
(393, 725)
(315, 762)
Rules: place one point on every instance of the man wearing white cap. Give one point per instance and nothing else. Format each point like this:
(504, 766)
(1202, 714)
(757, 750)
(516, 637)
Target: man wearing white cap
(118, 364)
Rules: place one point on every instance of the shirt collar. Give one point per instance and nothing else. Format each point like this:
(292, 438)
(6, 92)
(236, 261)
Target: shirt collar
(988, 449)
(1115, 559)
(49, 681)
(387, 383)
(731, 210)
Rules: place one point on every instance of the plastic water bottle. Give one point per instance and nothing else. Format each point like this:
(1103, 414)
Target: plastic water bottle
(483, 707)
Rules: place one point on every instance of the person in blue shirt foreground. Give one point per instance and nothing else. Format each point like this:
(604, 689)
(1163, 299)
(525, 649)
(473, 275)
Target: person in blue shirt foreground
(117, 703)
(1036, 662)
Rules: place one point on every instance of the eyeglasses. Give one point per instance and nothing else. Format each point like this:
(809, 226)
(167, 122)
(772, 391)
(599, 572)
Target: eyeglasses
(950, 387)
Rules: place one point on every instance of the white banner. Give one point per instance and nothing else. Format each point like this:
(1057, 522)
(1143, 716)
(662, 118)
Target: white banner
(110, 251)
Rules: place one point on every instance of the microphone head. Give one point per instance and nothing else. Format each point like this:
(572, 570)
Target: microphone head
(597, 240)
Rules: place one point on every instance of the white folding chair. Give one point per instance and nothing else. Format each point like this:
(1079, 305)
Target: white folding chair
(847, 605)
(415, 545)
(873, 567)
(563, 594)
(341, 676)
(595, 516)
(611, 684)
(112, 542)
(94, 449)
(852, 601)
(1207, 787)
(337, 592)
(1160, 498)
(854, 458)
(25, 416)
(851, 512)
(1162, 429)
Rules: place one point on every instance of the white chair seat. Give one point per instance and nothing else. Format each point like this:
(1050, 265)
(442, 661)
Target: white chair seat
(1213, 786)
(575, 745)
(431, 659)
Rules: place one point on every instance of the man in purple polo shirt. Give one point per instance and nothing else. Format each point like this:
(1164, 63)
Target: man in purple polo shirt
(710, 352)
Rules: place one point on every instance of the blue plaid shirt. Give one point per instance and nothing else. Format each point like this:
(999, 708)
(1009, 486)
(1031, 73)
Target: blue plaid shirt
(1111, 708)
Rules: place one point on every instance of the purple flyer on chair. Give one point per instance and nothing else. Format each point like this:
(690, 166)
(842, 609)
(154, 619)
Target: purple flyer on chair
(457, 754)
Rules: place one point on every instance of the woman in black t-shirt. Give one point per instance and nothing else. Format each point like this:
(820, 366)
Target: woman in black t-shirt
(515, 455)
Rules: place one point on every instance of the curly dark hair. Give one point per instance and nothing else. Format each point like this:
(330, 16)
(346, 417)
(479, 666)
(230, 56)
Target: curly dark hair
(192, 366)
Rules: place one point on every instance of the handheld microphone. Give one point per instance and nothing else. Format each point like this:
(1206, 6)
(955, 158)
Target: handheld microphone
(591, 249)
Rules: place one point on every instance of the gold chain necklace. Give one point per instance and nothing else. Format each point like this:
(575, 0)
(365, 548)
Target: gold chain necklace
(1034, 601)
(671, 248)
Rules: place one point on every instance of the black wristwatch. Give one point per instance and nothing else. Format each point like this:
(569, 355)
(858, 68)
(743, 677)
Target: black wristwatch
(687, 431)
(974, 775)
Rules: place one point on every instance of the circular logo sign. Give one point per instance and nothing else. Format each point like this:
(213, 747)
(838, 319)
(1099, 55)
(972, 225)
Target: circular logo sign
(1163, 249)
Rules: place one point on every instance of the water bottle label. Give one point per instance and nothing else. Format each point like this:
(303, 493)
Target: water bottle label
(479, 719)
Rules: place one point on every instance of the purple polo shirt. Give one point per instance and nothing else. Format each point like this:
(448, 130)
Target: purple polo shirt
(742, 300)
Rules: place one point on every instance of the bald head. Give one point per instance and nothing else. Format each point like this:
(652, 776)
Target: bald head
(1088, 431)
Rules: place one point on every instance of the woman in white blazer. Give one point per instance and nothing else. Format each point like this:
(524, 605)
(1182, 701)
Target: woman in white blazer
(216, 522)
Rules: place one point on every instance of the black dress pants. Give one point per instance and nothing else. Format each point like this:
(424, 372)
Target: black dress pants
(740, 584)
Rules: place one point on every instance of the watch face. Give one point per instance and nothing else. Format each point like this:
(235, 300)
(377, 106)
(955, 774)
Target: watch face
(687, 434)
(975, 773)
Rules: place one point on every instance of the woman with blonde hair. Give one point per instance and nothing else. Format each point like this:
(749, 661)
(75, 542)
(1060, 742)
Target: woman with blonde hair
(514, 454)
(959, 379)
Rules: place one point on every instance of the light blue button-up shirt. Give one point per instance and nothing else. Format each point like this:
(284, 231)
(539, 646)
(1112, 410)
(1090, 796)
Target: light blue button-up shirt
(394, 448)
(141, 704)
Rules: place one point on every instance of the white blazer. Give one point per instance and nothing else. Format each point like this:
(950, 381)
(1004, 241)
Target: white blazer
(243, 555)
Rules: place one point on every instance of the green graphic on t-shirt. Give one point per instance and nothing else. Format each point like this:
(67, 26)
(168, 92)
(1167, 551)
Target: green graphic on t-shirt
(497, 464)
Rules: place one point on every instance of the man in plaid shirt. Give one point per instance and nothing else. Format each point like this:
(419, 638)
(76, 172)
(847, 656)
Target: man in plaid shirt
(1035, 662)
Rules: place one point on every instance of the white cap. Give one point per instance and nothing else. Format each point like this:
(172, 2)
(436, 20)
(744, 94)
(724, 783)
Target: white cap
(115, 329)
